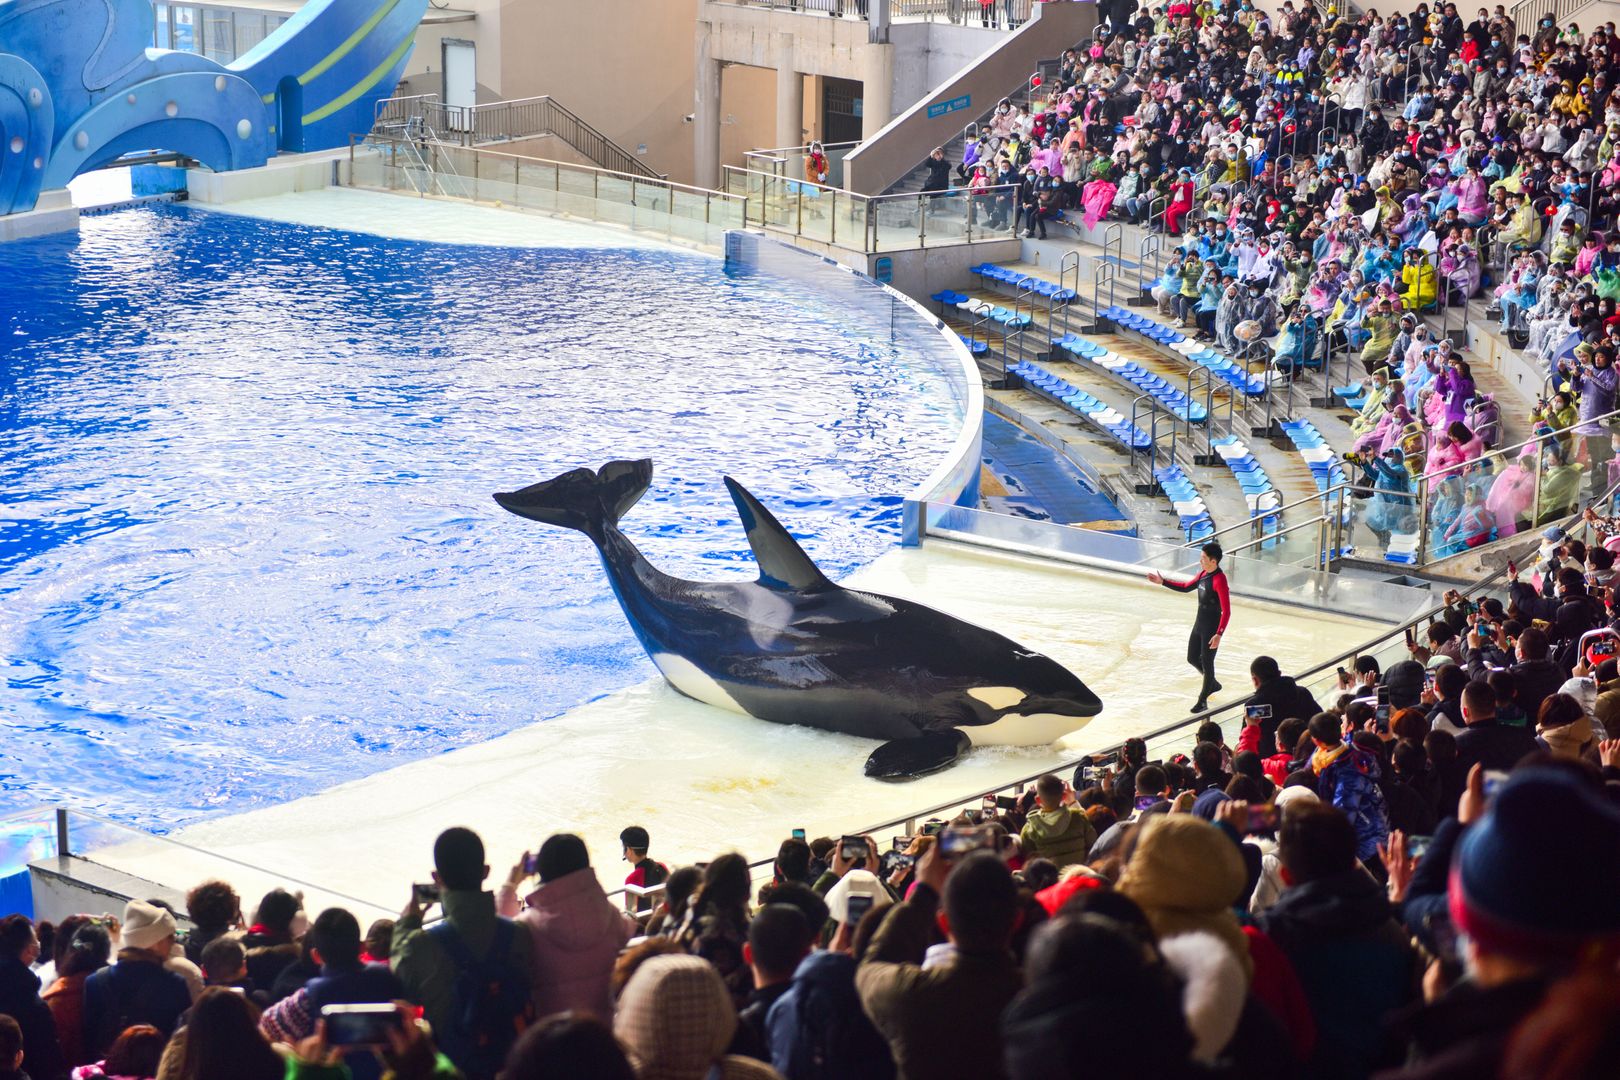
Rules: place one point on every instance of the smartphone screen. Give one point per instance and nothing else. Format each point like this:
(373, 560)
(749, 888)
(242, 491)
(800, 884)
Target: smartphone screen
(1417, 846)
(798, 834)
(854, 849)
(859, 905)
(1257, 712)
(360, 1025)
(1494, 779)
(425, 893)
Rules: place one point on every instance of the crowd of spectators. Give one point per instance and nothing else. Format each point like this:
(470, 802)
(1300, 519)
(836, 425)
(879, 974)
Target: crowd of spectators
(1323, 181)
(1414, 877)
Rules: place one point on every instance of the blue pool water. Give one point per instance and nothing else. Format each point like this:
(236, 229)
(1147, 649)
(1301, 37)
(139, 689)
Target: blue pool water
(247, 548)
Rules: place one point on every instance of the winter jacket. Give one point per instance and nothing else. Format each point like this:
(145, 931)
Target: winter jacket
(428, 972)
(940, 1020)
(1463, 1035)
(1537, 680)
(1606, 711)
(20, 1000)
(1286, 699)
(577, 933)
(1347, 776)
(268, 955)
(1063, 835)
(1494, 745)
(136, 990)
(1353, 960)
(294, 1017)
(817, 1030)
(65, 999)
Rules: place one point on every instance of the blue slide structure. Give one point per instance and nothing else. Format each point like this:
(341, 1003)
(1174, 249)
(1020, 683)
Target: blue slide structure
(80, 87)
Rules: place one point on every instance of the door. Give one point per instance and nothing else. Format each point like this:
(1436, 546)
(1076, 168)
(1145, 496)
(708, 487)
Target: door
(460, 82)
(840, 110)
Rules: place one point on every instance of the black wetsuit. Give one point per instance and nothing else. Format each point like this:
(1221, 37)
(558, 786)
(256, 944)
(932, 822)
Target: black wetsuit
(1214, 611)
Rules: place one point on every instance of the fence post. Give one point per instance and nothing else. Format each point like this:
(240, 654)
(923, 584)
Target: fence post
(63, 849)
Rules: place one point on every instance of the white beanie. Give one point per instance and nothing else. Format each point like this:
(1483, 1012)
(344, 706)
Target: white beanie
(145, 925)
(856, 883)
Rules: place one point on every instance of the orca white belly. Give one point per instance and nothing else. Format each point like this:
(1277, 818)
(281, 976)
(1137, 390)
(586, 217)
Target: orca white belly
(695, 683)
(1016, 729)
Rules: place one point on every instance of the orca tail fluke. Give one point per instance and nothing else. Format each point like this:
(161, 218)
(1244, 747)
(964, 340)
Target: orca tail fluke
(587, 500)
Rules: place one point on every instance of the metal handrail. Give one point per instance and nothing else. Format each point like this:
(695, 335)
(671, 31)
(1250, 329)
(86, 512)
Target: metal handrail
(1381, 641)
(356, 141)
(523, 118)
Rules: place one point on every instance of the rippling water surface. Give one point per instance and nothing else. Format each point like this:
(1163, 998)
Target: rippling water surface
(247, 548)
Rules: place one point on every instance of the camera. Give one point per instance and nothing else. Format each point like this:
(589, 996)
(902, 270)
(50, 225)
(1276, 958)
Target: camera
(955, 843)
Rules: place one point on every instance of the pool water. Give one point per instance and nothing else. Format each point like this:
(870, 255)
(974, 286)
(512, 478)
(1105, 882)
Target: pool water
(247, 545)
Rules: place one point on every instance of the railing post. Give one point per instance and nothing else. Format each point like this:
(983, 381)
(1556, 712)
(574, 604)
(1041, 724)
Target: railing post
(922, 221)
(63, 847)
(832, 226)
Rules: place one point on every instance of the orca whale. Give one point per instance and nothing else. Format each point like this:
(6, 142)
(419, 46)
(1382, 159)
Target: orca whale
(794, 648)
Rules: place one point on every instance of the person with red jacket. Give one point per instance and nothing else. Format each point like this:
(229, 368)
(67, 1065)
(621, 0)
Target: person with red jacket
(645, 872)
(1214, 612)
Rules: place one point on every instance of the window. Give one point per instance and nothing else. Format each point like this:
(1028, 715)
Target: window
(160, 26)
(183, 22)
(250, 30)
(218, 39)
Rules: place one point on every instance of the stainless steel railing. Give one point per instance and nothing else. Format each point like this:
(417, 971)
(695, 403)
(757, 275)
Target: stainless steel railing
(527, 118)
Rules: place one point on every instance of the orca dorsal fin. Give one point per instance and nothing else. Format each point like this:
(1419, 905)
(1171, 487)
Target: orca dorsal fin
(782, 562)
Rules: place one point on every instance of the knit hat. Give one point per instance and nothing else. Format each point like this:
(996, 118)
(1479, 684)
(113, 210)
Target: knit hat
(145, 925)
(1298, 793)
(856, 883)
(1535, 878)
(1186, 875)
(675, 1018)
(1405, 682)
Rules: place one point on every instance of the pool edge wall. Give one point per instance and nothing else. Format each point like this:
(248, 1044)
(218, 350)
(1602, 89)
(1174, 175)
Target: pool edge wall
(954, 480)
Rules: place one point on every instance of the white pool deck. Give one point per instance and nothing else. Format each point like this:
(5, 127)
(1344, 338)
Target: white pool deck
(703, 780)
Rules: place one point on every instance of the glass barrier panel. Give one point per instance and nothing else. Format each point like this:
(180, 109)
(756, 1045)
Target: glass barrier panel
(816, 210)
(945, 219)
(1365, 598)
(849, 222)
(613, 199)
(896, 223)
(728, 213)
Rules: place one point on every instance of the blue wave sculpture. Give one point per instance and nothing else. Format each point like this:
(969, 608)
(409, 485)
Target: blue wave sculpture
(79, 87)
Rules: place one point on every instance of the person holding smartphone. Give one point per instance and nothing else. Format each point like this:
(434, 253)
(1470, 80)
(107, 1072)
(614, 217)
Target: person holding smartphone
(1057, 829)
(1209, 625)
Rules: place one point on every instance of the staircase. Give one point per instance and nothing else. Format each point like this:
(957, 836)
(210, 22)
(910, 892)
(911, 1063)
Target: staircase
(506, 121)
(889, 157)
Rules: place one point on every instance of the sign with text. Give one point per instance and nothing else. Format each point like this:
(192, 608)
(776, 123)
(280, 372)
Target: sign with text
(955, 104)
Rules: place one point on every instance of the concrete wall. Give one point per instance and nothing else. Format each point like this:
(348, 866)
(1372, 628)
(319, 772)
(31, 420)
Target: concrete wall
(924, 271)
(424, 72)
(926, 54)
(625, 66)
(891, 153)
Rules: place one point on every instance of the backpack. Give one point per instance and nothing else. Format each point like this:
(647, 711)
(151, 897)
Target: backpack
(489, 1001)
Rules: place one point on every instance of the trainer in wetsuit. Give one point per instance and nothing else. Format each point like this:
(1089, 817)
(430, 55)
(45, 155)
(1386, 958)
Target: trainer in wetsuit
(1214, 612)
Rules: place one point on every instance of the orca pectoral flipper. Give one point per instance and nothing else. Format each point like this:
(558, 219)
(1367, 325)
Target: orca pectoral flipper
(906, 759)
